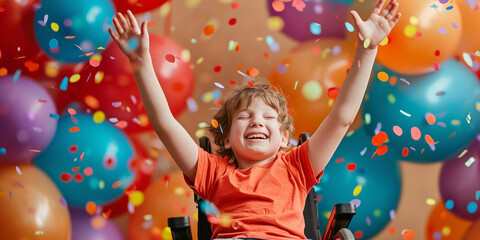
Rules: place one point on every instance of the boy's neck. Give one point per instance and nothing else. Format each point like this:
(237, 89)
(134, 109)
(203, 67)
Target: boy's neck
(245, 164)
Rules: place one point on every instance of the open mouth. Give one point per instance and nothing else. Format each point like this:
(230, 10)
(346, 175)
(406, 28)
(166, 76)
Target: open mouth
(256, 136)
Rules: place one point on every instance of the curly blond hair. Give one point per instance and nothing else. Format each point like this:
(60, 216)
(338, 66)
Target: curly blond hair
(234, 100)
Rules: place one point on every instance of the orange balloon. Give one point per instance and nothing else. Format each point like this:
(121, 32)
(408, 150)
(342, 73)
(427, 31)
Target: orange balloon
(470, 40)
(443, 224)
(424, 28)
(31, 205)
(473, 232)
(168, 196)
(310, 76)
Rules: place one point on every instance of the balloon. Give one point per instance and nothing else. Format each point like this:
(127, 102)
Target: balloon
(122, 101)
(422, 31)
(430, 117)
(89, 161)
(16, 45)
(470, 38)
(309, 76)
(71, 31)
(32, 207)
(297, 24)
(473, 232)
(85, 226)
(144, 168)
(168, 196)
(137, 6)
(460, 182)
(26, 122)
(375, 179)
(442, 224)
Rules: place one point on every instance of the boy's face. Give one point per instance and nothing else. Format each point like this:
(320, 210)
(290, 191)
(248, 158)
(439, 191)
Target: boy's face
(255, 133)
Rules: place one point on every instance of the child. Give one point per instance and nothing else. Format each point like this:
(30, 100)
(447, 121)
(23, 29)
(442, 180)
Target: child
(261, 188)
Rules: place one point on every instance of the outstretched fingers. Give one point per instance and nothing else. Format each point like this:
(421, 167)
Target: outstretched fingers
(117, 26)
(123, 21)
(395, 20)
(114, 36)
(392, 11)
(132, 20)
(378, 7)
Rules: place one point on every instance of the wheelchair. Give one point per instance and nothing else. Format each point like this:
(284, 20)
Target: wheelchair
(336, 228)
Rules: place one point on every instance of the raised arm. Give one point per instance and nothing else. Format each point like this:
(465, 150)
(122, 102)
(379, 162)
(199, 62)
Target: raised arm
(134, 43)
(327, 137)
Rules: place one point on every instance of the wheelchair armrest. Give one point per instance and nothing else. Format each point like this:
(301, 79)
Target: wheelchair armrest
(340, 217)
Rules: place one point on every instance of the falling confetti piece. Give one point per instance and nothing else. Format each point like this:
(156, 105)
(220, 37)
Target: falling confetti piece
(442, 30)
(209, 30)
(170, 58)
(431, 201)
(435, 66)
(366, 43)
(64, 84)
(472, 207)
(232, 21)
(416, 134)
(235, 5)
(116, 184)
(469, 162)
(397, 130)
(430, 119)
(19, 172)
(63, 202)
(381, 150)
(74, 129)
(429, 140)
(408, 234)
(379, 139)
(449, 204)
(405, 152)
(214, 123)
(219, 85)
(315, 28)
(468, 118)
(91, 208)
(252, 72)
(405, 113)
(468, 59)
(349, 27)
(278, 5)
(250, 84)
(382, 76)
(357, 190)
(351, 166)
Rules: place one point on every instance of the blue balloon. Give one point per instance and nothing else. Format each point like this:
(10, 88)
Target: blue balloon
(92, 164)
(68, 31)
(451, 95)
(378, 177)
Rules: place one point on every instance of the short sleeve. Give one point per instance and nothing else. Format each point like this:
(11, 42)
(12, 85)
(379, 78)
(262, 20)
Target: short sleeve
(299, 164)
(209, 168)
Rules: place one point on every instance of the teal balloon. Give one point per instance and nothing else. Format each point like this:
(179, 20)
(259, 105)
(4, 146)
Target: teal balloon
(68, 31)
(450, 94)
(347, 2)
(92, 164)
(378, 176)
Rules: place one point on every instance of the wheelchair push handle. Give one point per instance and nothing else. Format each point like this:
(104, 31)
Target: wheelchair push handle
(180, 227)
(339, 219)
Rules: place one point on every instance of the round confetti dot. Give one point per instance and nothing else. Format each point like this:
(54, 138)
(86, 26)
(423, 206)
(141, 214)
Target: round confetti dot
(381, 150)
(472, 207)
(136, 198)
(275, 23)
(99, 117)
(97, 222)
(384, 41)
(235, 5)
(449, 204)
(278, 5)
(232, 21)
(53, 43)
(78, 177)
(217, 69)
(88, 171)
(351, 166)
(416, 134)
(209, 30)
(405, 152)
(430, 119)
(312, 90)
(54, 26)
(408, 234)
(366, 43)
(252, 72)
(170, 58)
(442, 30)
(214, 123)
(91, 208)
(429, 140)
(315, 28)
(410, 30)
(65, 177)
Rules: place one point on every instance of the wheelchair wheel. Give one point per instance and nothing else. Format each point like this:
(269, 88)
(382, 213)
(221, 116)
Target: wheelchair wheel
(344, 234)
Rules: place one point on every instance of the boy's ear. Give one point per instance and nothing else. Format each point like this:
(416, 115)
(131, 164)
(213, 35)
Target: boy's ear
(284, 143)
(226, 143)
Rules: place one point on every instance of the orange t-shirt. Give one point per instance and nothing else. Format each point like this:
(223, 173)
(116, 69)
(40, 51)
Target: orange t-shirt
(264, 201)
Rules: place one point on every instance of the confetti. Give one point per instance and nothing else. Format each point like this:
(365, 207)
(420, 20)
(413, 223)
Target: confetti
(278, 5)
(404, 152)
(379, 138)
(397, 130)
(449, 204)
(232, 21)
(366, 43)
(442, 30)
(64, 84)
(431, 201)
(74, 129)
(349, 27)
(63, 202)
(468, 59)
(430, 118)
(3, 151)
(381, 150)
(91, 207)
(209, 30)
(219, 85)
(235, 5)
(405, 113)
(469, 162)
(429, 140)
(214, 123)
(382, 76)
(472, 207)
(19, 172)
(315, 28)
(416, 134)
(170, 58)
(408, 234)
(351, 166)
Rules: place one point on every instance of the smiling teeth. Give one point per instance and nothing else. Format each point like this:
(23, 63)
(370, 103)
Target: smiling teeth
(257, 135)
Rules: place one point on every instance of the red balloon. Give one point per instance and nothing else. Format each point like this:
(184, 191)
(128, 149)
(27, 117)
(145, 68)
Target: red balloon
(17, 44)
(111, 87)
(137, 6)
(145, 167)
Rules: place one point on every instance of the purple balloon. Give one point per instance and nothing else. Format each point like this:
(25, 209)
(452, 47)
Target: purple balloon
(330, 15)
(460, 182)
(82, 227)
(26, 126)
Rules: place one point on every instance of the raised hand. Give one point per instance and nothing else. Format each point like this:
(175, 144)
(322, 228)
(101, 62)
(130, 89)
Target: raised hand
(379, 24)
(132, 40)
